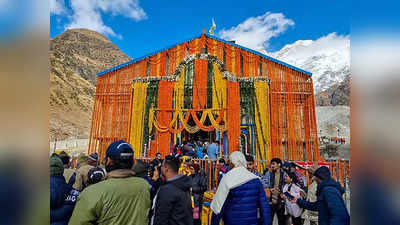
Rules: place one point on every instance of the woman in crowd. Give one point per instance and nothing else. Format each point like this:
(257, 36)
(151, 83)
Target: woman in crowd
(199, 186)
(291, 191)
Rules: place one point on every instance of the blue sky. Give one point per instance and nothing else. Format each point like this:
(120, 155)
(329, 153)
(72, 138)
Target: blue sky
(141, 27)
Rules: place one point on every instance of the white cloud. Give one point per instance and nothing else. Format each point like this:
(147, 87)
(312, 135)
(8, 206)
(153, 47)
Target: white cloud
(255, 32)
(57, 7)
(87, 14)
(128, 8)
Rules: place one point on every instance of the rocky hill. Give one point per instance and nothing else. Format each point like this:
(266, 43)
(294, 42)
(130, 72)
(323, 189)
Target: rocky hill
(332, 118)
(337, 94)
(76, 56)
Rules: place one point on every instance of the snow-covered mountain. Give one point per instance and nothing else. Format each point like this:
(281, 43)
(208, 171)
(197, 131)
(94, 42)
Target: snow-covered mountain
(327, 58)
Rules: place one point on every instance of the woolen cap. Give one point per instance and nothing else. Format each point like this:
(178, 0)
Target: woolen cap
(95, 175)
(323, 173)
(56, 165)
(94, 157)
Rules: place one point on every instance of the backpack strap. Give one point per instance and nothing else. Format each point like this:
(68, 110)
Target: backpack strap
(72, 179)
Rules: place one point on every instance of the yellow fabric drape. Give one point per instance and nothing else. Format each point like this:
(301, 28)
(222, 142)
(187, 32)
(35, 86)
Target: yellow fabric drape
(219, 89)
(151, 119)
(137, 125)
(179, 96)
(179, 91)
(261, 109)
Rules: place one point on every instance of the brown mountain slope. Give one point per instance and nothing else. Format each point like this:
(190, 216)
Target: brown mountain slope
(337, 94)
(76, 56)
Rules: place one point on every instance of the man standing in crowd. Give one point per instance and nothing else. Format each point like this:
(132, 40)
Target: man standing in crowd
(240, 197)
(277, 182)
(93, 159)
(157, 160)
(81, 176)
(308, 215)
(286, 167)
(68, 173)
(173, 205)
(251, 166)
(212, 150)
(330, 205)
(121, 199)
(62, 196)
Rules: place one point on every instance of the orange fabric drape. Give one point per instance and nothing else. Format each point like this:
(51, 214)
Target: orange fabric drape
(233, 115)
(165, 91)
(200, 84)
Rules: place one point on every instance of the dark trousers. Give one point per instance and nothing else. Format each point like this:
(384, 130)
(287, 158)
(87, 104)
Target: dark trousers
(297, 220)
(280, 213)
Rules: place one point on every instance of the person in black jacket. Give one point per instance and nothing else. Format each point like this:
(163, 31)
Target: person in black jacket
(198, 189)
(157, 160)
(173, 204)
(277, 182)
(62, 196)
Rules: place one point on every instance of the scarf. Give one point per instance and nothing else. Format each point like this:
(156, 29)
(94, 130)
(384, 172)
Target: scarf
(234, 178)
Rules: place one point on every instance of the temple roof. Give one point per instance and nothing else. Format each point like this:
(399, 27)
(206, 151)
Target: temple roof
(209, 36)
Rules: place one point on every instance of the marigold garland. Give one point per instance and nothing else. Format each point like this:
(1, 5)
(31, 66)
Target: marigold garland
(261, 109)
(164, 101)
(233, 116)
(183, 120)
(200, 84)
(137, 126)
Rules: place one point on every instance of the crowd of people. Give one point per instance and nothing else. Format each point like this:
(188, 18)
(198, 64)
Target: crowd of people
(170, 190)
(198, 149)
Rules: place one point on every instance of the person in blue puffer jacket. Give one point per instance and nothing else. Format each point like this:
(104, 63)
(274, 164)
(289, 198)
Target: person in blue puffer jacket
(240, 198)
(330, 205)
(62, 196)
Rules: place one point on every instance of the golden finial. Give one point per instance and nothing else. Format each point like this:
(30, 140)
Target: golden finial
(212, 28)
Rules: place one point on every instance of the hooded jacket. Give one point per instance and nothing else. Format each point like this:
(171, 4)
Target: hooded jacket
(121, 199)
(330, 205)
(246, 204)
(58, 192)
(199, 187)
(173, 205)
(240, 198)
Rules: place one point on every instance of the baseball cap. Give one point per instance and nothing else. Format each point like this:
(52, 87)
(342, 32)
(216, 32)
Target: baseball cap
(119, 149)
